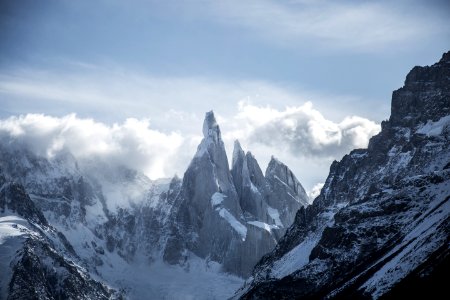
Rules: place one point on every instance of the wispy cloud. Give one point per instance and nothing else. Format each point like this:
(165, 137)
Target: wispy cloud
(110, 93)
(350, 25)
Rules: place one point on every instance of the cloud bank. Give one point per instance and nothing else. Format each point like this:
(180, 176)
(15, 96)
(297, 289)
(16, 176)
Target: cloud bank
(297, 135)
(132, 144)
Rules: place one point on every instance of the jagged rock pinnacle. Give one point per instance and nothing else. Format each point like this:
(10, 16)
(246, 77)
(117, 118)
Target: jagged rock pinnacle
(238, 153)
(210, 126)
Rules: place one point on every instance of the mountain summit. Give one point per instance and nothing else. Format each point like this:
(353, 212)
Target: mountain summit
(232, 217)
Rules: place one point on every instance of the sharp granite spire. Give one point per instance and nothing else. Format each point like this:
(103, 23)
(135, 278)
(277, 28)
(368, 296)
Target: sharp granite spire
(227, 211)
(210, 127)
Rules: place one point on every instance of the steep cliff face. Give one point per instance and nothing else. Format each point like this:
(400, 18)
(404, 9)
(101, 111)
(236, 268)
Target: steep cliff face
(250, 184)
(274, 197)
(223, 214)
(208, 217)
(380, 226)
(286, 194)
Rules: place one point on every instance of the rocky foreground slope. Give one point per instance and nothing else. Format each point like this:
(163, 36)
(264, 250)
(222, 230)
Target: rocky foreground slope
(380, 227)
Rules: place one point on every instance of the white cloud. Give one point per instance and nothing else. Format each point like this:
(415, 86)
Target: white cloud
(315, 191)
(303, 130)
(132, 144)
(353, 25)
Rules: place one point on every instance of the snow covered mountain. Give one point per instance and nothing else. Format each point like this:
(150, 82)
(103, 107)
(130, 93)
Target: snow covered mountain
(37, 261)
(380, 227)
(86, 228)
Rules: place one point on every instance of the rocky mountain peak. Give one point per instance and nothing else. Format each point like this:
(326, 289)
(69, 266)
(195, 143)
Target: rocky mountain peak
(238, 154)
(280, 171)
(210, 127)
(424, 95)
(274, 165)
(283, 182)
(255, 173)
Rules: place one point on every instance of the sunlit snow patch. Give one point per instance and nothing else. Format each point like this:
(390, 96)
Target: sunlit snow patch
(275, 215)
(237, 226)
(263, 225)
(434, 128)
(217, 198)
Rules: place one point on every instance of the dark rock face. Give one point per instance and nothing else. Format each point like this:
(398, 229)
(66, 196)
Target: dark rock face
(14, 198)
(381, 223)
(424, 96)
(250, 184)
(41, 273)
(42, 267)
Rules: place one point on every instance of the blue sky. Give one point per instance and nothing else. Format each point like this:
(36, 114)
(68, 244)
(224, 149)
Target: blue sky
(165, 63)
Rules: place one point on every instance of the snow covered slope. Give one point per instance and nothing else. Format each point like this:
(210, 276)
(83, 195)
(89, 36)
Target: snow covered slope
(37, 261)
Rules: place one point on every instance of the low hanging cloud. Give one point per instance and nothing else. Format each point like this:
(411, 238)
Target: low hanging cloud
(304, 131)
(132, 144)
